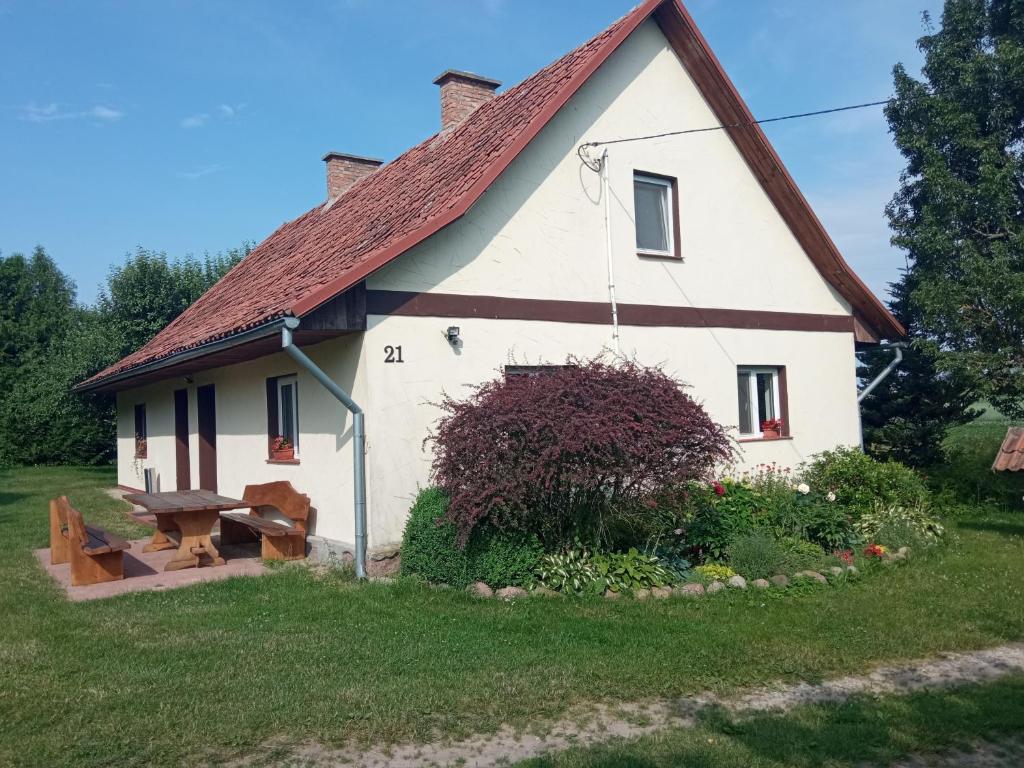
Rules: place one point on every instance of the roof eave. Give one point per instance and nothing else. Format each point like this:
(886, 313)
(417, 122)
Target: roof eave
(113, 382)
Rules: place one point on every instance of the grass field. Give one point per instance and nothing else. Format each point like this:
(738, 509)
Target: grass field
(211, 672)
(972, 448)
(854, 734)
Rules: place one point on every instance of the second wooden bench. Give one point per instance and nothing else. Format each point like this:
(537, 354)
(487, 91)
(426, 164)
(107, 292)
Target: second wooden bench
(278, 541)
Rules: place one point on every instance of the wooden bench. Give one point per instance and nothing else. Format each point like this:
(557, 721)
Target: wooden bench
(278, 541)
(95, 555)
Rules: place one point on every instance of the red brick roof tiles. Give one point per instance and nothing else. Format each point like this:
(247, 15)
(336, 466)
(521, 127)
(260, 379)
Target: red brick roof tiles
(1011, 453)
(325, 245)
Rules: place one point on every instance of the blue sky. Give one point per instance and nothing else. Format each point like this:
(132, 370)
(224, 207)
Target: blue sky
(188, 126)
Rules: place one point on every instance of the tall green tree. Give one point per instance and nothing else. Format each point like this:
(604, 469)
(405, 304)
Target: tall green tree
(36, 300)
(959, 209)
(48, 343)
(148, 291)
(906, 417)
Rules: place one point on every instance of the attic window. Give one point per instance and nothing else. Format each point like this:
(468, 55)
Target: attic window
(655, 214)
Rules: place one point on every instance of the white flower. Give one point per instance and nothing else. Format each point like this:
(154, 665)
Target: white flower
(804, 488)
(831, 496)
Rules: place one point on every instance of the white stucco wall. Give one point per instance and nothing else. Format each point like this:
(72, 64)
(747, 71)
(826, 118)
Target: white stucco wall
(324, 470)
(539, 233)
(820, 370)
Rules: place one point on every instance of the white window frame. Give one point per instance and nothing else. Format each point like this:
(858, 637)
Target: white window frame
(670, 203)
(294, 403)
(751, 371)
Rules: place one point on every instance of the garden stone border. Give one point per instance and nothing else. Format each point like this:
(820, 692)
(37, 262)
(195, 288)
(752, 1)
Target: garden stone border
(690, 589)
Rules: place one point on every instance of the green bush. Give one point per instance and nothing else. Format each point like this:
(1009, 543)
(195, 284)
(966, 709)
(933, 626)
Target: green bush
(859, 482)
(623, 571)
(719, 519)
(757, 555)
(673, 554)
(895, 527)
(579, 571)
(503, 559)
(714, 572)
(431, 552)
(571, 572)
(812, 517)
(801, 554)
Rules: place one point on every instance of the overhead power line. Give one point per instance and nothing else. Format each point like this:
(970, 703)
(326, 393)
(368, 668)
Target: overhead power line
(737, 125)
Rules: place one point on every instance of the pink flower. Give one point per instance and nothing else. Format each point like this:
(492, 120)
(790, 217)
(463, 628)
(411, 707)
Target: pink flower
(719, 489)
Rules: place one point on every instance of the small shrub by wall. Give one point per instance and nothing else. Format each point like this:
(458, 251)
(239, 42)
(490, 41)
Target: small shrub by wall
(431, 550)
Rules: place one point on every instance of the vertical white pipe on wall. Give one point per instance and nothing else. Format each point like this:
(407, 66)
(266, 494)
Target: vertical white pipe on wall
(605, 192)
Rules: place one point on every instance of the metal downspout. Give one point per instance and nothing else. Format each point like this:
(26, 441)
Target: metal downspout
(896, 360)
(358, 437)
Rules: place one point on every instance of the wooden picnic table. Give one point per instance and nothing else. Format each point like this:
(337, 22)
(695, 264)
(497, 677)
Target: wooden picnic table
(193, 514)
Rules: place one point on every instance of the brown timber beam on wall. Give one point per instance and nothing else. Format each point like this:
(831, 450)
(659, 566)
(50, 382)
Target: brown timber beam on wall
(597, 313)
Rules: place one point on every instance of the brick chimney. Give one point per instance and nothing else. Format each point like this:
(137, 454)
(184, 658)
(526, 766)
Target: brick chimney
(345, 170)
(461, 93)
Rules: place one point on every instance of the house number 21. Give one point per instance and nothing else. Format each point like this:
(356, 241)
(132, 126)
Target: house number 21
(393, 354)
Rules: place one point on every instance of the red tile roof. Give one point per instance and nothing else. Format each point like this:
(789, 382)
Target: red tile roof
(308, 261)
(1011, 453)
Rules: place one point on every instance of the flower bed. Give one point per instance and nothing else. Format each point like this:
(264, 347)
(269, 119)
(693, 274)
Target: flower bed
(536, 479)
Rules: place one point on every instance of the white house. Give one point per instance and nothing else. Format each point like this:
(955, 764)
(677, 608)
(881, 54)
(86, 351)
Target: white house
(500, 230)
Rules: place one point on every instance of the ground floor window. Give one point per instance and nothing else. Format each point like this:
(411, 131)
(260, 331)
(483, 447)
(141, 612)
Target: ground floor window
(140, 431)
(283, 410)
(531, 370)
(760, 393)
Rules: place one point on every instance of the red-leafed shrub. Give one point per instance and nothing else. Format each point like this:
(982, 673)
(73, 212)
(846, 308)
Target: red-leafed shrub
(558, 452)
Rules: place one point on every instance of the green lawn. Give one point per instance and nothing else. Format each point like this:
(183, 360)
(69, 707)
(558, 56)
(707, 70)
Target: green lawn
(208, 673)
(854, 734)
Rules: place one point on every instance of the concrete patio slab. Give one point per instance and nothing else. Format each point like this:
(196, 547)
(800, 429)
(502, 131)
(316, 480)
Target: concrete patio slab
(144, 571)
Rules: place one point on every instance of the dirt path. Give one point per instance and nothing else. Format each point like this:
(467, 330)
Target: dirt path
(603, 723)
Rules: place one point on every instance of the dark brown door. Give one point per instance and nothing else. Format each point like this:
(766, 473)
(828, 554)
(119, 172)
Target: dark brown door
(207, 409)
(181, 457)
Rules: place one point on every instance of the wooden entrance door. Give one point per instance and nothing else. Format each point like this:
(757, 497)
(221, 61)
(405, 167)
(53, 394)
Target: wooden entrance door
(182, 471)
(207, 410)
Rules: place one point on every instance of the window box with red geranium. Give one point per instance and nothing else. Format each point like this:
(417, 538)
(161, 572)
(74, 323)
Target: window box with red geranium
(771, 429)
(281, 449)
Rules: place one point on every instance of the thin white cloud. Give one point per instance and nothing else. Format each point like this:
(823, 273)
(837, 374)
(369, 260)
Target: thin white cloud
(45, 113)
(198, 173)
(229, 110)
(101, 112)
(222, 111)
(195, 121)
(41, 113)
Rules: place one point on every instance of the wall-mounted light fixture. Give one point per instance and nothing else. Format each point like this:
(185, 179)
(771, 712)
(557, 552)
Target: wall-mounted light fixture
(190, 380)
(452, 334)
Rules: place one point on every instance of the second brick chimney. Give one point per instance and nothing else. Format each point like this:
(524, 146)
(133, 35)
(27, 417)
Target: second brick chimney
(345, 170)
(461, 93)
